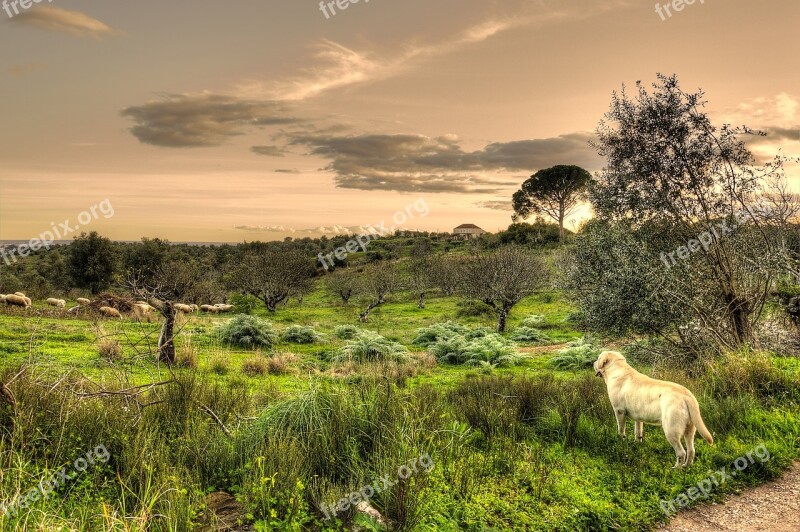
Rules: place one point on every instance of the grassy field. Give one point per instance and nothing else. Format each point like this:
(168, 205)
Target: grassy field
(508, 448)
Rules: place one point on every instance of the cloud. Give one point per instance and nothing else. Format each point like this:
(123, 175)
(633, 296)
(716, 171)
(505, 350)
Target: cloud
(26, 68)
(334, 65)
(269, 151)
(57, 19)
(287, 171)
(182, 120)
(333, 230)
(496, 205)
(418, 163)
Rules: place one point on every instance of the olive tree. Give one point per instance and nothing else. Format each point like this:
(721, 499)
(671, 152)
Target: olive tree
(503, 278)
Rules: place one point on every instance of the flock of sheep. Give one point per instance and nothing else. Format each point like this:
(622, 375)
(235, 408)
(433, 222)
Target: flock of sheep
(141, 309)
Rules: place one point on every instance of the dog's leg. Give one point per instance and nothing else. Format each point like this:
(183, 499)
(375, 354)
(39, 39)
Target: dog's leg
(620, 422)
(638, 430)
(674, 438)
(690, 430)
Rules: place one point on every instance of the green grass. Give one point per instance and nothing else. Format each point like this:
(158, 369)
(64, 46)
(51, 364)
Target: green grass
(519, 447)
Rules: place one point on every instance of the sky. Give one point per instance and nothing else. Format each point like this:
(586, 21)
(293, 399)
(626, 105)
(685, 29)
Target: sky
(260, 119)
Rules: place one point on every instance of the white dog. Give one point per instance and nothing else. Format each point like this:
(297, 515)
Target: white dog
(647, 400)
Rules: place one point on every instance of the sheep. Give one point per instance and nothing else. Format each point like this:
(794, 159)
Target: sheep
(224, 308)
(186, 309)
(110, 312)
(2, 298)
(20, 294)
(209, 308)
(74, 310)
(195, 307)
(83, 301)
(17, 301)
(53, 302)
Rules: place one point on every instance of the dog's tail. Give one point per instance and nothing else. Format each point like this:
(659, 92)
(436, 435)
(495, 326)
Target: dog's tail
(694, 415)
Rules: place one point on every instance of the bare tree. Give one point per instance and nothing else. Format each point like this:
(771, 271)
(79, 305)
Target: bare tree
(377, 282)
(420, 277)
(273, 276)
(342, 283)
(446, 273)
(169, 284)
(503, 278)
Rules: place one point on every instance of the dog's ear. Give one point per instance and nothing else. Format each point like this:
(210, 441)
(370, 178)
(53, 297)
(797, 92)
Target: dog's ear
(601, 361)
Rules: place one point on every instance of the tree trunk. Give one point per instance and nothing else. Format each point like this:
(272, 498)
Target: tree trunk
(502, 315)
(365, 315)
(166, 341)
(421, 302)
(738, 312)
(561, 225)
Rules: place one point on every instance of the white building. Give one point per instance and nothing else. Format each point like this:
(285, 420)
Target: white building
(468, 231)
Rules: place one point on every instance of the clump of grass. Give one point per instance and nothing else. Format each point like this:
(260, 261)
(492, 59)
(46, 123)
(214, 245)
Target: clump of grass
(530, 335)
(255, 366)
(346, 332)
(439, 331)
(109, 349)
(578, 355)
(281, 363)
(371, 347)
(751, 374)
(490, 349)
(301, 334)
(219, 366)
(248, 331)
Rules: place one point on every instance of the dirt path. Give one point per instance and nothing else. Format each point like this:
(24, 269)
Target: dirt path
(773, 507)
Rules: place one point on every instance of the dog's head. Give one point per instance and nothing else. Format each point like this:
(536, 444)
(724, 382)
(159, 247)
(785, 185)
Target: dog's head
(604, 360)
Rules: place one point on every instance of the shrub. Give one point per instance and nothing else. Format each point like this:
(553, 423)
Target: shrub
(534, 320)
(578, 355)
(530, 335)
(490, 349)
(346, 332)
(473, 309)
(243, 303)
(300, 334)
(255, 366)
(439, 331)
(369, 347)
(248, 331)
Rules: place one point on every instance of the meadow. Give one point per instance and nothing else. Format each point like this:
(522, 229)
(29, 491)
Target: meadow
(231, 438)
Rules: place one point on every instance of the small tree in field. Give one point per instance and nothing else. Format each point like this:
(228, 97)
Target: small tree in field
(503, 278)
(342, 283)
(554, 192)
(164, 287)
(274, 275)
(92, 262)
(377, 281)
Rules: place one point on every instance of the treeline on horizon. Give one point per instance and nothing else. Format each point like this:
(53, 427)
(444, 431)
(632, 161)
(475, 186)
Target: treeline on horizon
(94, 263)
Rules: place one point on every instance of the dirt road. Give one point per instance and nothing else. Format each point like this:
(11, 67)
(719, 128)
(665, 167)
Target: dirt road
(773, 507)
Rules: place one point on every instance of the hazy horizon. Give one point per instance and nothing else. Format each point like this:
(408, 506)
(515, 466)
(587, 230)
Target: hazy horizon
(212, 122)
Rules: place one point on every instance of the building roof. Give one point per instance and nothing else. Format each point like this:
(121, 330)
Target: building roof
(468, 226)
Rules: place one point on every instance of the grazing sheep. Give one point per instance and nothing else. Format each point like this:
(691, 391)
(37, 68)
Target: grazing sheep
(110, 312)
(224, 308)
(17, 301)
(74, 310)
(53, 302)
(209, 308)
(83, 301)
(20, 294)
(186, 309)
(2, 298)
(195, 307)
